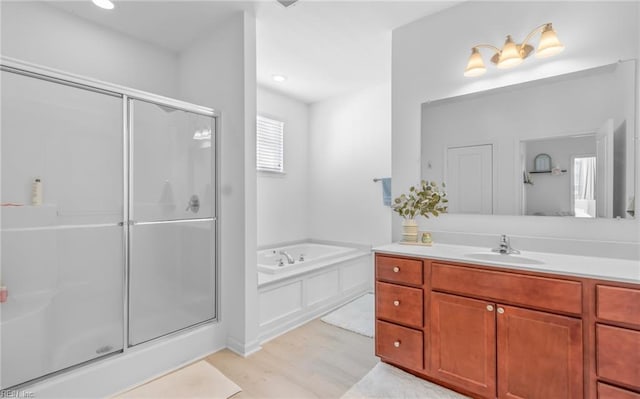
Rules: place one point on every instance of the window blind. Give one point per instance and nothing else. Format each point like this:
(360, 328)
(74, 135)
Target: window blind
(270, 145)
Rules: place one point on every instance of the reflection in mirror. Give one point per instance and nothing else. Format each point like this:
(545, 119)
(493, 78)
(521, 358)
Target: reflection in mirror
(584, 183)
(561, 146)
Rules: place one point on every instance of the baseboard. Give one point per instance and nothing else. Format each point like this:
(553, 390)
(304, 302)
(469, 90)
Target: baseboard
(243, 349)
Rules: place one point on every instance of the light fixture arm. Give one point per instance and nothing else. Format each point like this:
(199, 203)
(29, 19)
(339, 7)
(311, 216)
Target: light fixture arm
(532, 33)
(494, 48)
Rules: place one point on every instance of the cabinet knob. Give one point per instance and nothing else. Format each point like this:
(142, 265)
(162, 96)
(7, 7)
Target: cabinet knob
(500, 310)
(396, 269)
(396, 303)
(396, 344)
(490, 308)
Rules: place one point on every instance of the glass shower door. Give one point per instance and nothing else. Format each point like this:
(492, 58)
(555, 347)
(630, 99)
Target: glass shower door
(172, 228)
(62, 248)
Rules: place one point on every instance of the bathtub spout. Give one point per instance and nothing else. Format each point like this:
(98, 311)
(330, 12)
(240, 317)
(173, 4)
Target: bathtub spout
(290, 259)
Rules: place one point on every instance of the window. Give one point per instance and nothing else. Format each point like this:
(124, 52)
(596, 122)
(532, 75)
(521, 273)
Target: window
(269, 145)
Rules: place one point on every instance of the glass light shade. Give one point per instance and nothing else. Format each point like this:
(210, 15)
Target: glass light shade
(549, 43)
(475, 66)
(509, 55)
(106, 4)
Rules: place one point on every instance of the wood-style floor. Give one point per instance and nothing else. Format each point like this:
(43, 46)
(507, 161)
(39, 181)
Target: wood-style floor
(316, 360)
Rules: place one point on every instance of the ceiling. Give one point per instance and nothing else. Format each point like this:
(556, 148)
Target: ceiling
(324, 48)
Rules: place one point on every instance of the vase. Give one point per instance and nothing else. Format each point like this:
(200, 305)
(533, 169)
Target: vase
(409, 230)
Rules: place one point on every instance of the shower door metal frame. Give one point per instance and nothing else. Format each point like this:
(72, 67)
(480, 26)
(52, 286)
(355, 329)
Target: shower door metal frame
(129, 135)
(13, 65)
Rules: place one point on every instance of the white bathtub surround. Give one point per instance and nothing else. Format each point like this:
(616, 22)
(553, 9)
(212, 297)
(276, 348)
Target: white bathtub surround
(295, 296)
(385, 381)
(357, 316)
(302, 257)
(613, 269)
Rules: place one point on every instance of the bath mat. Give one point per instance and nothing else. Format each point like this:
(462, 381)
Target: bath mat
(357, 316)
(199, 380)
(385, 381)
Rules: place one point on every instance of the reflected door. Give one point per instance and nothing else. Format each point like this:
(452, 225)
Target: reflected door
(63, 254)
(172, 227)
(604, 170)
(470, 179)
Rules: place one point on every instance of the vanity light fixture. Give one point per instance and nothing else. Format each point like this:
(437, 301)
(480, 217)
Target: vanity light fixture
(106, 4)
(512, 53)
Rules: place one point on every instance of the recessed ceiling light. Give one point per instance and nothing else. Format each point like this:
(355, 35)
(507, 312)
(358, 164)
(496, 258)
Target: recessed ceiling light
(279, 78)
(106, 4)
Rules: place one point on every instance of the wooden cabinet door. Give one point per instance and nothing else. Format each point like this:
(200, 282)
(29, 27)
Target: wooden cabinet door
(539, 355)
(463, 343)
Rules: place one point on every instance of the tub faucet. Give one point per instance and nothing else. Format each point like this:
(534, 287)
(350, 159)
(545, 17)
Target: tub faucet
(505, 246)
(290, 259)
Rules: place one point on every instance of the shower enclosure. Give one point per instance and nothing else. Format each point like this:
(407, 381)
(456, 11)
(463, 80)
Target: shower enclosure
(121, 248)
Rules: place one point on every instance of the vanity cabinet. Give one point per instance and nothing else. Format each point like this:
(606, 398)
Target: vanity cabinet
(617, 341)
(494, 332)
(472, 340)
(487, 347)
(400, 311)
(539, 354)
(463, 342)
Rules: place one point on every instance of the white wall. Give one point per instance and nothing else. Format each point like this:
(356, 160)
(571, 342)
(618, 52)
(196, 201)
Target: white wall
(349, 147)
(219, 71)
(44, 35)
(426, 67)
(283, 199)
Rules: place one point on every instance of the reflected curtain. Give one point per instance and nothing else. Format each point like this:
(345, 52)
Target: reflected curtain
(585, 178)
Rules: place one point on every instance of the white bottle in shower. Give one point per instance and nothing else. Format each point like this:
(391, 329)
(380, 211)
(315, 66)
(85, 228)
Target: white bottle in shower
(36, 192)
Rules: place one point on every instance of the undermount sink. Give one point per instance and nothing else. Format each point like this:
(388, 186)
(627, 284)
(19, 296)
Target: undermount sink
(504, 258)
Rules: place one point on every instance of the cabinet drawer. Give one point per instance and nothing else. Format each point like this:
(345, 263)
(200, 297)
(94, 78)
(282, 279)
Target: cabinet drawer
(618, 304)
(399, 304)
(610, 392)
(540, 292)
(618, 354)
(400, 345)
(398, 270)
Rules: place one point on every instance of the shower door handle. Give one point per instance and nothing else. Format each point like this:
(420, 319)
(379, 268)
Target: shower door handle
(194, 204)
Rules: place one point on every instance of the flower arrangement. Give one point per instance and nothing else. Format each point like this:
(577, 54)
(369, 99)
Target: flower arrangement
(427, 199)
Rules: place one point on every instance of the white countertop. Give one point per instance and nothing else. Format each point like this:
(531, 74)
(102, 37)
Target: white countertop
(570, 265)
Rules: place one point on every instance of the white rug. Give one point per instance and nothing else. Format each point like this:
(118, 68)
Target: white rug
(198, 380)
(357, 316)
(387, 382)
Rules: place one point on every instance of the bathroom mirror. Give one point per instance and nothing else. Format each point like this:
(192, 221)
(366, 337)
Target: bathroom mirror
(560, 146)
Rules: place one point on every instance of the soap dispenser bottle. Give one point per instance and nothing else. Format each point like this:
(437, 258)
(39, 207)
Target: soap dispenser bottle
(36, 192)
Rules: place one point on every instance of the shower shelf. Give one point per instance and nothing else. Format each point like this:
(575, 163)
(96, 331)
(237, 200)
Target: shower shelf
(547, 171)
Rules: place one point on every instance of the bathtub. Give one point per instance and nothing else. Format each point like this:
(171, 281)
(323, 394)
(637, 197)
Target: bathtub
(323, 277)
(305, 256)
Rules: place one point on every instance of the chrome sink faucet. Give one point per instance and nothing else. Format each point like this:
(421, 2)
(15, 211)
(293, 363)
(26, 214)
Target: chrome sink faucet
(290, 259)
(505, 246)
